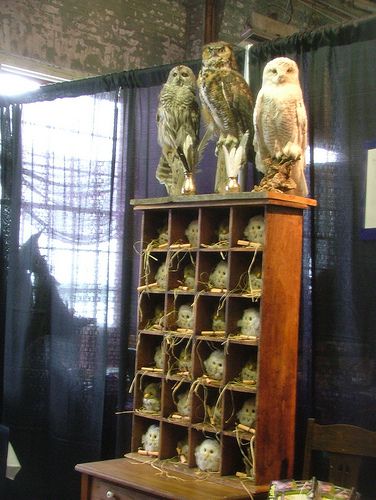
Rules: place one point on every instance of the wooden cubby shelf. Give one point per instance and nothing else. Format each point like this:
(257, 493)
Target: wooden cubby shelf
(224, 352)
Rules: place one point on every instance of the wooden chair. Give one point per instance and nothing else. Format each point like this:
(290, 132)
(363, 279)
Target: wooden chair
(344, 446)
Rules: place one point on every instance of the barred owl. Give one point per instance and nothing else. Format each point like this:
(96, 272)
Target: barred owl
(178, 116)
(280, 119)
(226, 99)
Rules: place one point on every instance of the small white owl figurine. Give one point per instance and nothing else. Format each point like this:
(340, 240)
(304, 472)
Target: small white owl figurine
(183, 404)
(223, 231)
(208, 455)
(218, 278)
(189, 276)
(163, 235)
(215, 414)
(249, 371)
(183, 450)
(247, 413)
(185, 317)
(185, 361)
(255, 278)
(150, 440)
(250, 322)
(151, 400)
(192, 233)
(161, 276)
(158, 357)
(280, 119)
(254, 230)
(214, 364)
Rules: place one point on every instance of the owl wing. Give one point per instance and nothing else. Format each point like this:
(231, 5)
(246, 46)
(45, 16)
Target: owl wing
(259, 145)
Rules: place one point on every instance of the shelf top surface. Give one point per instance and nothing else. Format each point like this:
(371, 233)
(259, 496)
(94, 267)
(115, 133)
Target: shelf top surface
(244, 198)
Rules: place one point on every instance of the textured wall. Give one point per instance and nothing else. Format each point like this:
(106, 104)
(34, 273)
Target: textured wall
(96, 36)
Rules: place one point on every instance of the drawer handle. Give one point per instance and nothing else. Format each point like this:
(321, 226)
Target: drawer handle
(110, 494)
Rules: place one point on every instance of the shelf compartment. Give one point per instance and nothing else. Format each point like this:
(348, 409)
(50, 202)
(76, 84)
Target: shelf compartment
(155, 228)
(150, 353)
(182, 272)
(214, 227)
(213, 271)
(241, 365)
(240, 218)
(184, 227)
(180, 314)
(177, 401)
(209, 361)
(154, 273)
(197, 437)
(210, 316)
(147, 394)
(151, 312)
(240, 409)
(140, 427)
(207, 409)
(174, 443)
(236, 456)
(179, 357)
(246, 273)
(243, 319)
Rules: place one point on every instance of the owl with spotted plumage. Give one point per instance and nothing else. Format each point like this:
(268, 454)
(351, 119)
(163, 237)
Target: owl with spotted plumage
(280, 120)
(178, 116)
(208, 455)
(227, 102)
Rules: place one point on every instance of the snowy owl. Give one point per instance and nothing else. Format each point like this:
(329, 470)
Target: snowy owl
(280, 119)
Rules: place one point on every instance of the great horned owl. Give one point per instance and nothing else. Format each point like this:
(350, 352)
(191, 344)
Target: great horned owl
(280, 119)
(226, 99)
(208, 455)
(178, 116)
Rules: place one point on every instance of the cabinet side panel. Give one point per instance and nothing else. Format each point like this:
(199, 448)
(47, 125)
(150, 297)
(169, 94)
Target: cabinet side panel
(278, 347)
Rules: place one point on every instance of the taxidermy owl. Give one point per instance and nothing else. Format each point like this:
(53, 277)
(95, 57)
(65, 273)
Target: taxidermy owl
(214, 364)
(208, 455)
(185, 317)
(151, 399)
(192, 233)
(158, 357)
(250, 322)
(150, 440)
(189, 276)
(247, 413)
(280, 120)
(254, 230)
(161, 276)
(219, 276)
(178, 117)
(226, 99)
(185, 361)
(183, 404)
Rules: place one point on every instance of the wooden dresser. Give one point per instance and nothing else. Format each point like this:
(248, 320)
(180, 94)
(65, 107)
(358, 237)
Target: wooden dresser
(130, 479)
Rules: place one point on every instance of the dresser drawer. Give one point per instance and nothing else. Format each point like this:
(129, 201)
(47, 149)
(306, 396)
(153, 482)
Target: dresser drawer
(104, 490)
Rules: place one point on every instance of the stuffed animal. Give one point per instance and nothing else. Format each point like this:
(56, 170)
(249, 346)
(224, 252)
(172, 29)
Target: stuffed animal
(249, 371)
(192, 233)
(247, 413)
(255, 229)
(183, 404)
(250, 322)
(151, 400)
(158, 357)
(189, 276)
(214, 364)
(150, 440)
(185, 317)
(185, 361)
(218, 322)
(161, 276)
(208, 455)
(218, 278)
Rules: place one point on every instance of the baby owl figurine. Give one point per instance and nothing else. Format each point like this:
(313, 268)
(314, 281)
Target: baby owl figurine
(158, 357)
(218, 277)
(254, 230)
(250, 322)
(218, 322)
(150, 440)
(208, 455)
(161, 276)
(249, 371)
(247, 413)
(185, 361)
(185, 317)
(183, 405)
(192, 233)
(214, 364)
(189, 276)
(151, 400)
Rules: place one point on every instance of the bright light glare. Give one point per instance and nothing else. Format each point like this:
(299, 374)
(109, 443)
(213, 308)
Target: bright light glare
(15, 84)
(321, 155)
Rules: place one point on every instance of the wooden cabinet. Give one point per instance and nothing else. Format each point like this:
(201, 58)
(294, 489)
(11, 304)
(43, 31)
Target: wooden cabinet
(172, 350)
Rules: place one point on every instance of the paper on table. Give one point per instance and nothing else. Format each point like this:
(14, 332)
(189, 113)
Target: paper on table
(13, 465)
